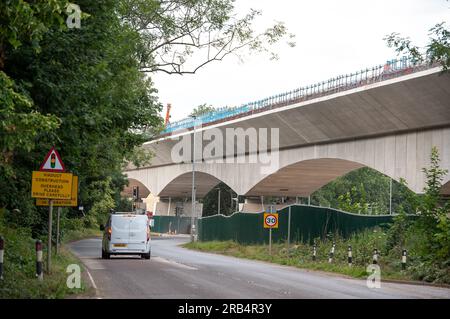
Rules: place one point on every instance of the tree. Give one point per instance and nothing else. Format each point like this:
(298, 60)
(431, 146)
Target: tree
(427, 234)
(437, 50)
(433, 221)
(202, 110)
(227, 204)
(23, 23)
(354, 201)
(89, 80)
(26, 22)
(88, 91)
(364, 188)
(176, 34)
(21, 122)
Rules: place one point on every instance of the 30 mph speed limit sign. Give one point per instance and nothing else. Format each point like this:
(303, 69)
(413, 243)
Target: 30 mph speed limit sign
(271, 220)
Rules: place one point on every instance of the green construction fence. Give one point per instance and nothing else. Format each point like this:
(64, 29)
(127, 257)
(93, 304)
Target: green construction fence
(166, 224)
(307, 223)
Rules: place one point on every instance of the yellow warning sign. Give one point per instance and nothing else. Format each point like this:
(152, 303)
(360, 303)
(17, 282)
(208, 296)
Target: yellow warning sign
(51, 185)
(63, 202)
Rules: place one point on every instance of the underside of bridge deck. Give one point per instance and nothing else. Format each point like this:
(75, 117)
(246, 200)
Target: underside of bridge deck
(181, 187)
(303, 178)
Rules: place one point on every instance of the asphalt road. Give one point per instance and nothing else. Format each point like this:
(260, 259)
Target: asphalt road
(175, 272)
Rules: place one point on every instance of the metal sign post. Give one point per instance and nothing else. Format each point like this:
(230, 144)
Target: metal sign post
(49, 244)
(193, 208)
(270, 221)
(289, 229)
(270, 234)
(58, 217)
(270, 241)
(52, 183)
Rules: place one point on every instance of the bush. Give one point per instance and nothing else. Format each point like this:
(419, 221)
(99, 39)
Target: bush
(19, 267)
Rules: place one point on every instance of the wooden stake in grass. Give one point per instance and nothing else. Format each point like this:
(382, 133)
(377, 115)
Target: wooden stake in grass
(330, 259)
(2, 247)
(314, 252)
(375, 256)
(404, 254)
(350, 257)
(39, 268)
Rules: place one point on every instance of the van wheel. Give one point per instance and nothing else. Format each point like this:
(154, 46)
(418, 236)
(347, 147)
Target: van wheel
(146, 256)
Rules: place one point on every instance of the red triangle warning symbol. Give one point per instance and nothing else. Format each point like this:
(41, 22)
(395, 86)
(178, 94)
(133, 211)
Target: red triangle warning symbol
(52, 162)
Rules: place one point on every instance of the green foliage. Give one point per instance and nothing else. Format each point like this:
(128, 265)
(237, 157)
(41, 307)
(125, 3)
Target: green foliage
(20, 123)
(202, 110)
(100, 108)
(26, 22)
(437, 49)
(426, 236)
(354, 201)
(398, 232)
(174, 35)
(101, 193)
(20, 268)
(433, 222)
(364, 191)
(300, 254)
(227, 204)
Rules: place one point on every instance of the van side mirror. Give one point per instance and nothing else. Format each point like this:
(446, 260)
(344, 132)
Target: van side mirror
(102, 227)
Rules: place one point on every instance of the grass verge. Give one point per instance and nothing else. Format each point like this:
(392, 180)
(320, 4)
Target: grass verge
(74, 235)
(20, 268)
(300, 255)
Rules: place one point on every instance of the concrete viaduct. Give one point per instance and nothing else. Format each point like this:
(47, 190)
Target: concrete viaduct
(389, 125)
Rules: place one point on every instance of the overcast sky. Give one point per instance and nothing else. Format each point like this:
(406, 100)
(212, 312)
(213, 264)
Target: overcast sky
(333, 37)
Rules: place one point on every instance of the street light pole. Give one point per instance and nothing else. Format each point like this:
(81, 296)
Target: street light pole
(193, 186)
(218, 203)
(390, 196)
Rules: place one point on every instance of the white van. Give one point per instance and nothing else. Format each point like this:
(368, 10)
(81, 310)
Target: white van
(126, 234)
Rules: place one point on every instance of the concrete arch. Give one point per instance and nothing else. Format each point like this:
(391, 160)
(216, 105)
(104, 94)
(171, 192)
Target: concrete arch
(181, 186)
(445, 190)
(144, 191)
(397, 156)
(303, 178)
(161, 180)
(400, 156)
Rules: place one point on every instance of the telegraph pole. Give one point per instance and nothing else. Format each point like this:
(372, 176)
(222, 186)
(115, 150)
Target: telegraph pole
(390, 196)
(289, 228)
(218, 203)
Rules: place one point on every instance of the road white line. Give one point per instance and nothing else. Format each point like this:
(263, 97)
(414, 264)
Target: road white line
(173, 263)
(92, 279)
(93, 264)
